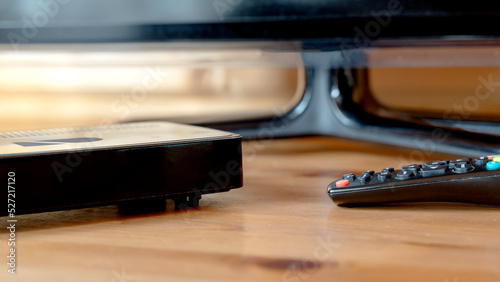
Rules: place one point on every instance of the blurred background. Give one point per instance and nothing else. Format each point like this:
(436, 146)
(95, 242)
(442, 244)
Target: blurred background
(52, 86)
(78, 63)
(48, 86)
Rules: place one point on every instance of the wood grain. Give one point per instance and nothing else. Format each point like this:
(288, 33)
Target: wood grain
(281, 226)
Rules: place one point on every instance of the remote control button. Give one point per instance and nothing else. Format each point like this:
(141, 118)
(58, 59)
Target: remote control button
(491, 157)
(436, 164)
(434, 170)
(462, 167)
(351, 177)
(366, 176)
(452, 165)
(405, 174)
(480, 162)
(493, 165)
(412, 167)
(458, 162)
(388, 169)
(384, 175)
(342, 183)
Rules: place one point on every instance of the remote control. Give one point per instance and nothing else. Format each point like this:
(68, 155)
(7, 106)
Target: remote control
(465, 180)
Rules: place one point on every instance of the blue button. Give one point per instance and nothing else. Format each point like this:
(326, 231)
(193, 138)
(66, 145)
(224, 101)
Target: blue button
(494, 165)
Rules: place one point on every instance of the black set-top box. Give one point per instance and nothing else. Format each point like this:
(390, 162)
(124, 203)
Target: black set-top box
(54, 169)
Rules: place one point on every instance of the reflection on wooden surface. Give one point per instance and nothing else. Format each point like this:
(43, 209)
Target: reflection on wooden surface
(281, 226)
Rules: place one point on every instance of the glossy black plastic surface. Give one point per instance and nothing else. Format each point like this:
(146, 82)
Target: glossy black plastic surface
(455, 181)
(179, 171)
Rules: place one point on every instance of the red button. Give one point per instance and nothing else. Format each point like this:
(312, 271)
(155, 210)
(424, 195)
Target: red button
(490, 157)
(342, 183)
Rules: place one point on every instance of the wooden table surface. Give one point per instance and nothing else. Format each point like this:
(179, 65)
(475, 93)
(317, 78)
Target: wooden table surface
(281, 226)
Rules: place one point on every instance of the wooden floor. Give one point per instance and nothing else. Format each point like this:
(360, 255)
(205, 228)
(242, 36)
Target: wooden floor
(281, 226)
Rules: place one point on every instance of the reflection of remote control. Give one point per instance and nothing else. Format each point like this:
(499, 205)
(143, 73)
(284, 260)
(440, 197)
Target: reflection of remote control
(464, 180)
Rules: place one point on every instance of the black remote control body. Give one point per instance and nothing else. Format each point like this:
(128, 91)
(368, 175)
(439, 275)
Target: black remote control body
(466, 180)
